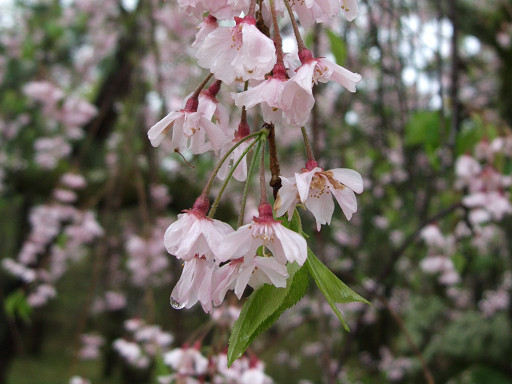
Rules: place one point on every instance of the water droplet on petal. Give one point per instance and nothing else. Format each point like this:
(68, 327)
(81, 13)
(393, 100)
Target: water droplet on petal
(176, 305)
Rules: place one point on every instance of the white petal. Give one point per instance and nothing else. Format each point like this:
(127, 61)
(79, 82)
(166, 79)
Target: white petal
(286, 197)
(304, 182)
(290, 243)
(236, 244)
(349, 178)
(347, 201)
(321, 207)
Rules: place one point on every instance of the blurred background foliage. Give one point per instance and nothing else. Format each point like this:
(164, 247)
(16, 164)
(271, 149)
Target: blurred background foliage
(436, 86)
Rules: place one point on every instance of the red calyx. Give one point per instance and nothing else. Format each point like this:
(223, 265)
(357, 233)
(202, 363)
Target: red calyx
(264, 213)
(213, 89)
(310, 165)
(192, 104)
(201, 206)
(305, 55)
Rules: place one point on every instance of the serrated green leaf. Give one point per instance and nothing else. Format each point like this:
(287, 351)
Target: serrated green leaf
(338, 48)
(263, 308)
(334, 290)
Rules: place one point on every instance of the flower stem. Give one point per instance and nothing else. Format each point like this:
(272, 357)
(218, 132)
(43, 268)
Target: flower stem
(252, 8)
(263, 192)
(307, 144)
(247, 183)
(201, 86)
(277, 36)
(215, 204)
(275, 171)
(208, 186)
(298, 37)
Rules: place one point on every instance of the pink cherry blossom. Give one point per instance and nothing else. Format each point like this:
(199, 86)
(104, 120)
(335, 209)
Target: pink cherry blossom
(190, 130)
(194, 234)
(253, 271)
(195, 284)
(186, 361)
(314, 70)
(319, 11)
(313, 188)
(207, 26)
(285, 244)
(297, 95)
(241, 52)
(269, 94)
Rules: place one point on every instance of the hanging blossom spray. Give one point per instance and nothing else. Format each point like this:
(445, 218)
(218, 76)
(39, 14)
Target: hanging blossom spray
(267, 252)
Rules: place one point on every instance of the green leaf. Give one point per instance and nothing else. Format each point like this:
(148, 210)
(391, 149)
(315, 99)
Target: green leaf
(334, 290)
(263, 308)
(16, 305)
(160, 368)
(338, 47)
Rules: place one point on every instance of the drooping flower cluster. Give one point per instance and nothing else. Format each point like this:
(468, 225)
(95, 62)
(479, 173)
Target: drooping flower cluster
(204, 244)
(244, 53)
(215, 257)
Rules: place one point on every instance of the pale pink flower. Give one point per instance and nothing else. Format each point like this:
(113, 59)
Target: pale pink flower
(433, 236)
(194, 234)
(207, 26)
(285, 244)
(91, 344)
(222, 9)
(269, 94)
(190, 130)
(195, 284)
(297, 95)
(186, 361)
(351, 9)
(73, 180)
(318, 11)
(240, 52)
(255, 376)
(314, 187)
(43, 91)
(64, 195)
(253, 271)
(212, 109)
(496, 203)
(297, 102)
(466, 169)
(315, 70)
(79, 380)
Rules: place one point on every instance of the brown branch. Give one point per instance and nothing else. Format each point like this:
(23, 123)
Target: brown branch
(275, 181)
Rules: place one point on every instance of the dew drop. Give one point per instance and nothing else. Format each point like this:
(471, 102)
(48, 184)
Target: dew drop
(176, 305)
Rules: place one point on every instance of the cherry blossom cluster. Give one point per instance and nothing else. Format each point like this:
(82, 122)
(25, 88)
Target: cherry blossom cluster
(91, 344)
(234, 44)
(190, 366)
(147, 260)
(438, 260)
(142, 343)
(497, 300)
(42, 260)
